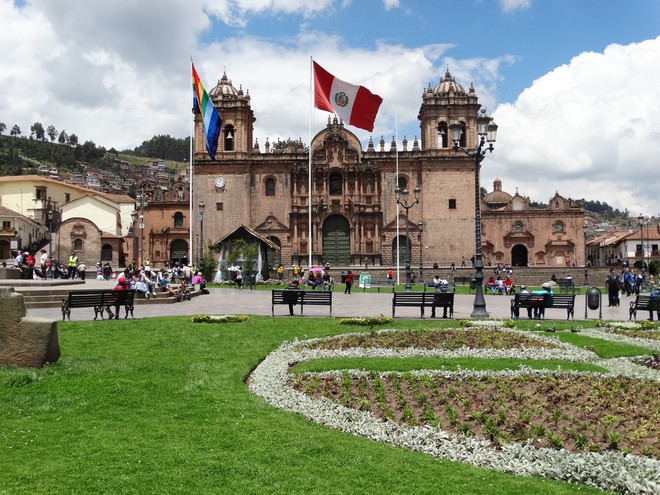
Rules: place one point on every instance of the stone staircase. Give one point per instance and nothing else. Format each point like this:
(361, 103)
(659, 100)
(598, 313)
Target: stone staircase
(49, 293)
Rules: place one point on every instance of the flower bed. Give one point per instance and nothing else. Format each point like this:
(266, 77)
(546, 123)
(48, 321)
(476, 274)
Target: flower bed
(486, 402)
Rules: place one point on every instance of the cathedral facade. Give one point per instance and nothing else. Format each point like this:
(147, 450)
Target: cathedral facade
(354, 212)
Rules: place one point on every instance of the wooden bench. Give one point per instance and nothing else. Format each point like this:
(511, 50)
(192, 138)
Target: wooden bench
(644, 303)
(100, 300)
(566, 285)
(421, 300)
(519, 301)
(301, 297)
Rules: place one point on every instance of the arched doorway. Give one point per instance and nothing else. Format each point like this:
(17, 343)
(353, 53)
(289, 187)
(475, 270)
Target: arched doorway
(179, 251)
(405, 251)
(274, 256)
(519, 255)
(336, 241)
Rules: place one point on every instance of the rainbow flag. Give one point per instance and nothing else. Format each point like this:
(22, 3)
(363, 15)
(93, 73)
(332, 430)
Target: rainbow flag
(203, 104)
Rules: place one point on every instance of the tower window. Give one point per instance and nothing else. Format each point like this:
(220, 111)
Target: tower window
(452, 204)
(229, 137)
(402, 183)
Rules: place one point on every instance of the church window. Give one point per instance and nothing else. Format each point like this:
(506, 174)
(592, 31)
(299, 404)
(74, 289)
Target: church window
(270, 187)
(558, 226)
(335, 184)
(219, 206)
(452, 204)
(518, 226)
(77, 245)
(402, 183)
(178, 220)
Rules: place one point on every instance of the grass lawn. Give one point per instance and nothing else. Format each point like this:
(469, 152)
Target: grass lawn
(160, 406)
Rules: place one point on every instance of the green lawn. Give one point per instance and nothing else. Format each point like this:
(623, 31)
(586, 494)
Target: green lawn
(160, 406)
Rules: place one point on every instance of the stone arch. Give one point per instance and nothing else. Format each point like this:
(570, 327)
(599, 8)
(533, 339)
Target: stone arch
(519, 255)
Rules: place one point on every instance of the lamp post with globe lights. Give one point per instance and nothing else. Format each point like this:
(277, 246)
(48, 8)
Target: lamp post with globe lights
(402, 199)
(487, 131)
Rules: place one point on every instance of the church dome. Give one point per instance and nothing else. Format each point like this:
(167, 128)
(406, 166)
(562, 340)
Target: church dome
(448, 84)
(497, 198)
(224, 88)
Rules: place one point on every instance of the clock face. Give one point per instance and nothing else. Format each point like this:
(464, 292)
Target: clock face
(219, 182)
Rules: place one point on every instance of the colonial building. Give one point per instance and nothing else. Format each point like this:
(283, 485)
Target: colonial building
(65, 219)
(354, 212)
(516, 233)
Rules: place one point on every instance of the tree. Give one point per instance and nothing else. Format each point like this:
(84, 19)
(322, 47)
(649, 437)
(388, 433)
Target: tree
(3, 127)
(15, 131)
(52, 133)
(63, 137)
(37, 131)
(73, 140)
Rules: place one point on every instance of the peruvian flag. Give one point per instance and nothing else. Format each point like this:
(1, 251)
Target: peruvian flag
(355, 105)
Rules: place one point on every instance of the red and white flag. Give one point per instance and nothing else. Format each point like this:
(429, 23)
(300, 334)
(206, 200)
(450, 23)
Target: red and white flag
(355, 105)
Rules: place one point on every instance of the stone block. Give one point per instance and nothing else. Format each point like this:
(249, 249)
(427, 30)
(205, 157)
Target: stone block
(24, 340)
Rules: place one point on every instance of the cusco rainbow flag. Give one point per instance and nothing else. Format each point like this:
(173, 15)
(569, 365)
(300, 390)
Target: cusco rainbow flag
(202, 104)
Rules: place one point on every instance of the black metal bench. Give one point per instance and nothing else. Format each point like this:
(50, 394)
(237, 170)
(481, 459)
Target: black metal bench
(521, 301)
(566, 285)
(463, 280)
(301, 297)
(421, 300)
(644, 303)
(100, 300)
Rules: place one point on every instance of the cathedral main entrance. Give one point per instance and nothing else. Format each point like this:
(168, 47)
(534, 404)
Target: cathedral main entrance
(179, 251)
(336, 241)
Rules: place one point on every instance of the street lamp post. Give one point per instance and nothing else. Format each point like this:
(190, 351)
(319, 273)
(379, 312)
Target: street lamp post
(586, 258)
(402, 199)
(201, 234)
(640, 218)
(421, 252)
(135, 239)
(487, 131)
(49, 219)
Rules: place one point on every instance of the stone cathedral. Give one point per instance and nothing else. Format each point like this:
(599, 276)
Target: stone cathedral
(353, 203)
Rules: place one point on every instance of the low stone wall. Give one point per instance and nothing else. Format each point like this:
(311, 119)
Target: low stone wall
(25, 340)
(9, 273)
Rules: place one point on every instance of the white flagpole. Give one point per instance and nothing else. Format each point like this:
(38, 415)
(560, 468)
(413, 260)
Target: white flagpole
(309, 165)
(190, 185)
(396, 140)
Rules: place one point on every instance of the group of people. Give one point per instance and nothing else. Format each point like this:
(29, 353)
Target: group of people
(627, 282)
(501, 286)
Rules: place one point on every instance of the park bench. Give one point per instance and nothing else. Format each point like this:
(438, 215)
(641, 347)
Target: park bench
(379, 283)
(421, 300)
(302, 298)
(550, 301)
(566, 285)
(463, 280)
(644, 303)
(100, 300)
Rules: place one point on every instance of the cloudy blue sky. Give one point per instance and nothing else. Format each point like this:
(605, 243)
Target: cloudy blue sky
(572, 84)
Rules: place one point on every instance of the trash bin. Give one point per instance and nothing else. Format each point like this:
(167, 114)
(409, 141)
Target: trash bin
(473, 284)
(593, 298)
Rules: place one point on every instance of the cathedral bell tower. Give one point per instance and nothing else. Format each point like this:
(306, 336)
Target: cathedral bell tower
(441, 106)
(236, 136)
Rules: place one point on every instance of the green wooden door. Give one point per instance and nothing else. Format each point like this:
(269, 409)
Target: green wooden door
(336, 241)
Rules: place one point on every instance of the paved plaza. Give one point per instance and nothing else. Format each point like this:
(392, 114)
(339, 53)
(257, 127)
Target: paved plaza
(258, 302)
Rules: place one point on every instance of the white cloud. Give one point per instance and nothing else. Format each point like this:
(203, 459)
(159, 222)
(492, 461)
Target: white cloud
(511, 5)
(587, 129)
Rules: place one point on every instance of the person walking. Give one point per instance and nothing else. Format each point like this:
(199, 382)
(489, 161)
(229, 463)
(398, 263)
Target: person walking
(349, 282)
(612, 283)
